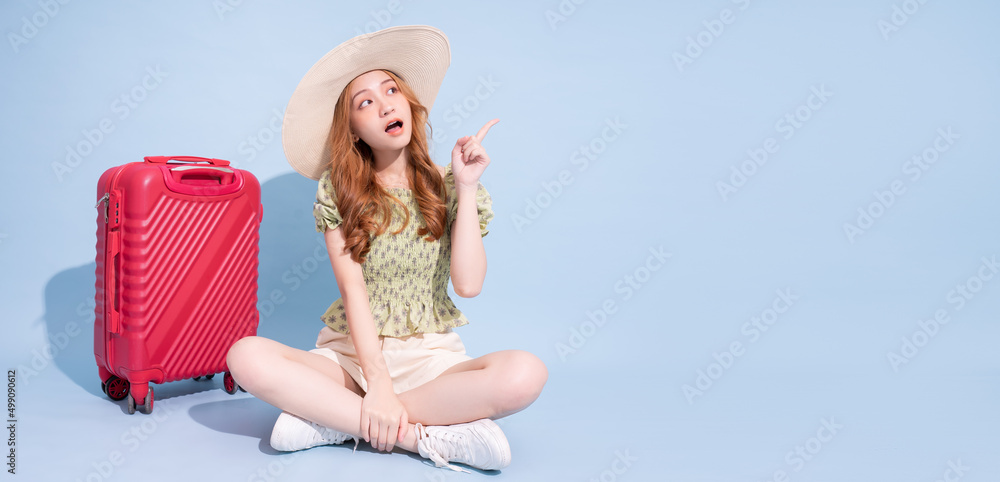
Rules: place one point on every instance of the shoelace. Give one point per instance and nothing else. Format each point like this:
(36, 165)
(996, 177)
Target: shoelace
(346, 436)
(337, 439)
(441, 460)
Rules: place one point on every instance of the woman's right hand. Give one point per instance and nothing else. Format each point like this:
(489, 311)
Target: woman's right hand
(383, 417)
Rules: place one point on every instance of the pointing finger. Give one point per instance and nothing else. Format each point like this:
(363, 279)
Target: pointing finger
(486, 128)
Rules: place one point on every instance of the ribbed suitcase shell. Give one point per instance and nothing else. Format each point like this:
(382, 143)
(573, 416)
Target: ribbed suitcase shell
(177, 256)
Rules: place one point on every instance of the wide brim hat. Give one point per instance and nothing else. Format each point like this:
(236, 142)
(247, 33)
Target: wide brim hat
(418, 54)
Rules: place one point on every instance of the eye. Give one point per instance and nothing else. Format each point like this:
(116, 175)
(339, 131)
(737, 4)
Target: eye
(362, 104)
(393, 90)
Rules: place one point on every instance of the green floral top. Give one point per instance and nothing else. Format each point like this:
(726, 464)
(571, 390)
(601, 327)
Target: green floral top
(406, 276)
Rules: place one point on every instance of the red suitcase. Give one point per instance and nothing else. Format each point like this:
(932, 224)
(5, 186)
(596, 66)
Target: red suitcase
(177, 246)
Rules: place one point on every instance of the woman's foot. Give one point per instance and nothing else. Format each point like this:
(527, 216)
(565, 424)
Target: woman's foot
(292, 433)
(480, 444)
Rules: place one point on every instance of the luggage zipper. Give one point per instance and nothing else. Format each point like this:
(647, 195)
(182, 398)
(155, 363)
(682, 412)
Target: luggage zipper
(103, 199)
(106, 198)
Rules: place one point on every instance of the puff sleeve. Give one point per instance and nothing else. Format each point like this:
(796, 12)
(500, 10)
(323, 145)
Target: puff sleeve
(325, 208)
(484, 208)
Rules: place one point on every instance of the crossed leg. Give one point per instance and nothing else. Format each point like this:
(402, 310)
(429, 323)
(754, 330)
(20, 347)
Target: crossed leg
(303, 383)
(493, 386)
(308, 385)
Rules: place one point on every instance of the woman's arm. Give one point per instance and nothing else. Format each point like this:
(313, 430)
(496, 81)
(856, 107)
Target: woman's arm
(468, 255)
(360, 321)
(383, 416)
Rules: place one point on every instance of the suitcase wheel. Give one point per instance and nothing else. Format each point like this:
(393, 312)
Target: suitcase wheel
(207, 377)
(116, 388)
(146, 407)
(229, 383)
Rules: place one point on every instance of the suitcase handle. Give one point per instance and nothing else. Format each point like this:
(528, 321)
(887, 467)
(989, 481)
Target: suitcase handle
(202, 175)
(164, 159)
(202, 180)
(113, 278)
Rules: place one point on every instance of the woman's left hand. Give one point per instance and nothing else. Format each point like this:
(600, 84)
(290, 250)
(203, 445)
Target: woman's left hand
(469, 159)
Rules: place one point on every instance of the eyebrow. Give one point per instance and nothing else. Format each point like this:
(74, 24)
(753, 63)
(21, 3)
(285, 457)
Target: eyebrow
(365, 90)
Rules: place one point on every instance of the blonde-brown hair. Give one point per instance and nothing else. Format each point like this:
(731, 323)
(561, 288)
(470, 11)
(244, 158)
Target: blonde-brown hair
(359, 196)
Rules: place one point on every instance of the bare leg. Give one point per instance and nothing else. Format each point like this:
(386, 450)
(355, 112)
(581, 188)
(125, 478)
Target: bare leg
(492, 386)
(308, 385)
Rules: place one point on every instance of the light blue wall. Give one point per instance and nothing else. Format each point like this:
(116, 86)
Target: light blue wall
(845, 100)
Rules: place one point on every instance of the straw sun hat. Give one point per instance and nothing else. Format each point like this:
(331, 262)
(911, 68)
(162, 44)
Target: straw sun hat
(419, 54)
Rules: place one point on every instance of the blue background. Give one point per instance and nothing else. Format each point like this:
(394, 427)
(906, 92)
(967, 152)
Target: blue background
(556, 74)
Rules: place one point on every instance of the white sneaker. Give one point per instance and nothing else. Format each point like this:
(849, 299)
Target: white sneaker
(292, 432)
(480, 444)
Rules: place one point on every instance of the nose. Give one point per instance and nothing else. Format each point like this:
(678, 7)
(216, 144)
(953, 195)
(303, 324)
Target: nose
(387, 109)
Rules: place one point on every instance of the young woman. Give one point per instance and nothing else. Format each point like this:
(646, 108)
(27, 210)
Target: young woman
(387, 366)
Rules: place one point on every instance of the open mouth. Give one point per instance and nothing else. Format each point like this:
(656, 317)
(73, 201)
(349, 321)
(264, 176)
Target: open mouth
(394, 126)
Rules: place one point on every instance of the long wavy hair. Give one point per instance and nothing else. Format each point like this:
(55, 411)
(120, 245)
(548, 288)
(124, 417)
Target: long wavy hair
(359, 196)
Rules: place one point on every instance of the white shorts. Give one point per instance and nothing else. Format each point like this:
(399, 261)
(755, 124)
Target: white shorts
(412, 360)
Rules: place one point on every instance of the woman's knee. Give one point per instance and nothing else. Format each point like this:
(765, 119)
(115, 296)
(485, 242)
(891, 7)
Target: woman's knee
(524, 376)
(244, 359)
